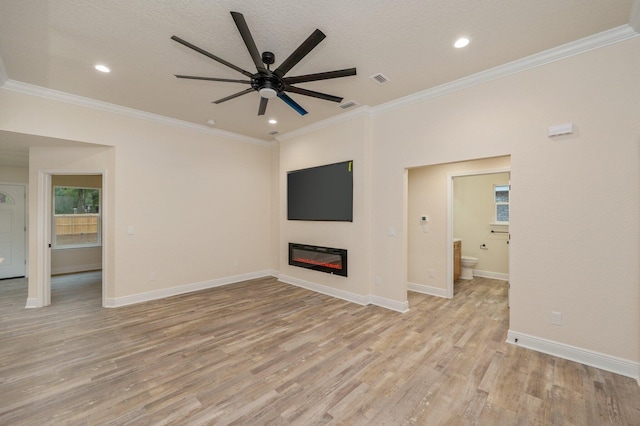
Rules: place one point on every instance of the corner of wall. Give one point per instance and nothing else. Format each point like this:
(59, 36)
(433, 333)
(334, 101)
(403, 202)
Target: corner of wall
(634, 19)
(3, 73)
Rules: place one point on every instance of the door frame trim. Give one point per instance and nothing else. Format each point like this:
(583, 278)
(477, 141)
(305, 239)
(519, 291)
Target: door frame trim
(43, 233)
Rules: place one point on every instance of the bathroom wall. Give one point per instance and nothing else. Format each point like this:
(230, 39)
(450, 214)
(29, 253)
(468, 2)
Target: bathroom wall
(473, 214)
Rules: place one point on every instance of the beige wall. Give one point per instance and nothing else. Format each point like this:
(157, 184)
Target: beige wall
(14, 174)
(54, 160)
(428, 194)
(275, 208)
(473, 215)
(575, 206)
(341, 142)
(70, 260)
(196, 200)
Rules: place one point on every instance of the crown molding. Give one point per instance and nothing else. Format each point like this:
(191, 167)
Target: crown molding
(30, 89)
(586, 44)
(577, 47)
(345, 116)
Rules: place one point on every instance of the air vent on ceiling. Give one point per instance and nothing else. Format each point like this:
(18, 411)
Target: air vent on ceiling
(348, 104)
(273, 132)
(380, 78)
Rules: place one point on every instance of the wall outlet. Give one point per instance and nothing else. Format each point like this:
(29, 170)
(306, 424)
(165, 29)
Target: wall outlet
(432, 273)
(377, 281)
(153, 276)
(556, 318)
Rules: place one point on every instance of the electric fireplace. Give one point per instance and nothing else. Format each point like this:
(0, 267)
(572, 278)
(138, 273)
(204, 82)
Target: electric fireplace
(323, 259)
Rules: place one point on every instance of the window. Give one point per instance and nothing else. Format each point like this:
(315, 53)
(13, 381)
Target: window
(77, 221)
(501, 199)
(5, 198)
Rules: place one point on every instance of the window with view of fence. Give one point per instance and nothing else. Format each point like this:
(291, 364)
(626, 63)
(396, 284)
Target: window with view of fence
(77, 217)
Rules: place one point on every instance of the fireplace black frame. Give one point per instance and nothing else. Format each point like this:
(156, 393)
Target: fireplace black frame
(321, 259)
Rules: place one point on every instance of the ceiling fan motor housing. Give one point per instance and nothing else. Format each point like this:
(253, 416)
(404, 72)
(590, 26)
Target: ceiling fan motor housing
(268, 84)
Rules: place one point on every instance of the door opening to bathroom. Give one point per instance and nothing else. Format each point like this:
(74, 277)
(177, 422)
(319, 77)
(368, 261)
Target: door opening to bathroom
(480, 224)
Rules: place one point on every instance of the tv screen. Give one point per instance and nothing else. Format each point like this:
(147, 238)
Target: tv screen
(323, 193)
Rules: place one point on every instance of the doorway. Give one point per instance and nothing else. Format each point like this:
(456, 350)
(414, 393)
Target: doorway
(429, 221)
(44, 232)
(479, 218)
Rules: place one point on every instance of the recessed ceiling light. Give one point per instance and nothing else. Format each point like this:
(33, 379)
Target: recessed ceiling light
(273, 121)
(461, 42)
(102, 68)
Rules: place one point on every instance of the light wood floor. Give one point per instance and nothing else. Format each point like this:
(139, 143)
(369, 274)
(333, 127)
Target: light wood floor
(263, 352)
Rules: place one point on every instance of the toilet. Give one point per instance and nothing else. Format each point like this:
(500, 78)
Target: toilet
(468, 263)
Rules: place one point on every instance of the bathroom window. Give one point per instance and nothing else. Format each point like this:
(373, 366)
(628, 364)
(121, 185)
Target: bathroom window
(501, 199)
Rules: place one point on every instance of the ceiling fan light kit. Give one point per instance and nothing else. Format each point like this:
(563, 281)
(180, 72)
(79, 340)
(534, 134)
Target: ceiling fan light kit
(270, 84)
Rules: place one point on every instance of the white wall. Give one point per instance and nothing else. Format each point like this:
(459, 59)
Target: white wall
(575, 205)
(10, 174)
(341, 142)
(191, 196)
(474, 212)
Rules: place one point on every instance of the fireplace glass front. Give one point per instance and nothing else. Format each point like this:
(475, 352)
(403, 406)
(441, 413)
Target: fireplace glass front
(324, 259)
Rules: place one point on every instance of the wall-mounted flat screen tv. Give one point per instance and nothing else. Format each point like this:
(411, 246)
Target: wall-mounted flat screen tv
(323, 193)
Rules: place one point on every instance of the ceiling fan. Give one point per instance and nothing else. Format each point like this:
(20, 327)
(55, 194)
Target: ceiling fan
(271, 83)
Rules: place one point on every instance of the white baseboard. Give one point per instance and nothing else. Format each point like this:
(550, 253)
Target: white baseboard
(323, 289)
(393, 305)
(610, 363)
(114, 302)
(187, 288)
(425, 289)
(346, 295)
(492, 275)
(32, 302)
(76, 268)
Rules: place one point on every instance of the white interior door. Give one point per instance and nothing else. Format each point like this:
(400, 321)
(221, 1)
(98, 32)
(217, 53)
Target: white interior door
(12, 231)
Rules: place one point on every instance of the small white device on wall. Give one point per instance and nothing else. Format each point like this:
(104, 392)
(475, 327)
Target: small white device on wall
(561, 129)
(424, 221)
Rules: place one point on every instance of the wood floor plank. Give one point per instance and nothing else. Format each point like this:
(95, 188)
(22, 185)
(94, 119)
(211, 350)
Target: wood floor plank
(262, 352)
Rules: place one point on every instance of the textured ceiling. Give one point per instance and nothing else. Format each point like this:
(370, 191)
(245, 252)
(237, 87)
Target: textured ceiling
(54, 44)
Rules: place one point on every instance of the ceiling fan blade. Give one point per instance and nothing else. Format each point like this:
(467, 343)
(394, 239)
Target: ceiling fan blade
(311, 93)
(263, 106)
(293, 104)
(226, 80)
(235, 95)
(210, 55)
(307, 46)
(320, 76)
(248, 40)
